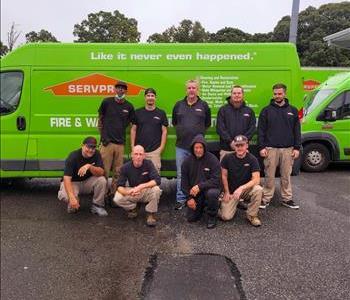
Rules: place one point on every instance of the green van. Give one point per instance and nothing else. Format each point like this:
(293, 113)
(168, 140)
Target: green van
(50, 92)
(326, 124)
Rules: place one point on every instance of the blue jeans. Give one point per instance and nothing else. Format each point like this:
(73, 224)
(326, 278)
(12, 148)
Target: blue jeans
(181, 155)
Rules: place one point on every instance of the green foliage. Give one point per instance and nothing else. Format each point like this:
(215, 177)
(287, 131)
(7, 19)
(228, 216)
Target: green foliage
(186, 32)
(3, 49)
(230, 35)
(107, 27)
(41, 36)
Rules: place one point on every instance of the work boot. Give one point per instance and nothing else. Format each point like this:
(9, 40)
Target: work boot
(132, 214)
(211, 222)
(71, 210)
(151, 220)
(254, 220)
(98, 210)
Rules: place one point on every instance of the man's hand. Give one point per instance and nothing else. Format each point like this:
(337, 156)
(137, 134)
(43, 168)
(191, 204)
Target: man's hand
(82, 171)
(192, 204)
(135, 191)
(74, 203)
(295, 153)
(194, 190)
(263, 152)
(226, 197)
(237, 193)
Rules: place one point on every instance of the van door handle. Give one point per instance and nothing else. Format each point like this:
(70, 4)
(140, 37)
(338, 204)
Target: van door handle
(21, 123)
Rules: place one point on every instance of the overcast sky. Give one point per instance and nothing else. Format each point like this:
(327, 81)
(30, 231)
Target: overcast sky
(153, 16)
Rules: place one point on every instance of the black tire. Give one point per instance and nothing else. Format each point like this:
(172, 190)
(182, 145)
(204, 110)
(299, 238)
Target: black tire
(316, 158)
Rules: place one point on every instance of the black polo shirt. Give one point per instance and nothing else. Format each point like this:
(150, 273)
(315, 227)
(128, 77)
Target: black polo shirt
(239, 170)
(135, 176)
(76, 160)
(115, 117)
(149, 127)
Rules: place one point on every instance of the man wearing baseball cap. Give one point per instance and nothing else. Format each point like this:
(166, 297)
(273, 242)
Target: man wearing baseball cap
(115, 114)
(240, 173)
(83, 174)
(149, 129)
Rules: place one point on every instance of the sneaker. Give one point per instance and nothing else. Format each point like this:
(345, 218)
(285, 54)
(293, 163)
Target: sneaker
(132, 214)
(254, 220)
(211, 222)
(264, 205)
(99, 210)
(71, 210)
(179, 205)
(290, 204)
(151, 220)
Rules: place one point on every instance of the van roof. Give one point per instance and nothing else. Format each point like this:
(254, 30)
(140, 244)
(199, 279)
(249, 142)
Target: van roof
(187, 55)
(336, 80)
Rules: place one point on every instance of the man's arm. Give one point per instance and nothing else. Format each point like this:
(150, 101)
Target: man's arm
(163, 139)
(252, 126)
(255, 180)
(133, 136)
(73, 201)
(225, 184)
(221, 127)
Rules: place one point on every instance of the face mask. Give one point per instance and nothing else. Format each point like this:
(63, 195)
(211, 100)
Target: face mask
(119, 97)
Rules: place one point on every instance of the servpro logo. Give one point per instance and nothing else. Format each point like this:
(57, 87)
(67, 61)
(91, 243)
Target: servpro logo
(310, 84)
(92, 85)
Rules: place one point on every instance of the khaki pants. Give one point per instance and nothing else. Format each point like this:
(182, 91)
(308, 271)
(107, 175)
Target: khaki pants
(223, 153)
(96, 185)
(112, 156)
(148, 195)
(281, 157)
(228, 209)
(154, 156)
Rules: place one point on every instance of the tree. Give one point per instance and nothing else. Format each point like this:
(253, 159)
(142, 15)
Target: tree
(41, 36)
(230, 35)
(186, 32)
(314, 24)
(107, 27)
(12, 36)
(3, 49)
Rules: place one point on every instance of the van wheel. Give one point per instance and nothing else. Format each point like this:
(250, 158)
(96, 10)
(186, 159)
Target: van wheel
(316, 158)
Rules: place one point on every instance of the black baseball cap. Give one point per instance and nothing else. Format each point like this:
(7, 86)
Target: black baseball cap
(240, 139)
(122, 84)
(90, 142)
(150, 90)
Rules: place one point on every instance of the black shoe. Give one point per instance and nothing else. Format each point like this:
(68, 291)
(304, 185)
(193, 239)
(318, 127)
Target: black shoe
(290, 204)
(264, 205)
(242, 205)
(180, 205)
(211, 222)
(109, 201)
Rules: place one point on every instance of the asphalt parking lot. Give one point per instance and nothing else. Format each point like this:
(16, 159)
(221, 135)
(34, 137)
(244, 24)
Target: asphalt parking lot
(303, 254)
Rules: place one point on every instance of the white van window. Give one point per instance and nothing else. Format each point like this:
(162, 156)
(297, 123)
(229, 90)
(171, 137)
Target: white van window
(341, 104)
(315, 99)
(11, 87)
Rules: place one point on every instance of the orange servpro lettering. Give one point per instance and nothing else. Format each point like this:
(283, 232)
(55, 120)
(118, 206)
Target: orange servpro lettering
(310, 84)
(92, 85)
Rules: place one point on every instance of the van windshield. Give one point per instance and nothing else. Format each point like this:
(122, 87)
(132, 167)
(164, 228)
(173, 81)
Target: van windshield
(315, 99)
(11, 87)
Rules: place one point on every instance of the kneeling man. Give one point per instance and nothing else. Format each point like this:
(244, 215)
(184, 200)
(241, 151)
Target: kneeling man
(200, 182)
(144, 182)
(240, 174)
(84, 174)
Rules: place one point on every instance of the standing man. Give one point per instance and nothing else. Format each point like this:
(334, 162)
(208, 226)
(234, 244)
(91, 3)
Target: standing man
(234, 118)
(149, 129)
(240, 173)
(144, 182)
(83, 174)
(279, 140)
(191, 116)
(115, 114)
(200, 182)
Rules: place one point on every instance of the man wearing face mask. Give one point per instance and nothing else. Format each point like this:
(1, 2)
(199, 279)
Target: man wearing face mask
(115, 114)
(234, 118)
(149, 129)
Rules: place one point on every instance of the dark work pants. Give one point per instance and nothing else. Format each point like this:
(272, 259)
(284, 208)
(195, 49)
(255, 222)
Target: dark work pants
(207, 198)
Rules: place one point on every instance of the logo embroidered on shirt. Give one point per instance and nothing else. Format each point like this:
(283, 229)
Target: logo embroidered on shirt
(145, 173)
(126, 111)
(198, 109)
(206, 169)
(246, 115)
(155, 117)
(246, 165)
(290, 113)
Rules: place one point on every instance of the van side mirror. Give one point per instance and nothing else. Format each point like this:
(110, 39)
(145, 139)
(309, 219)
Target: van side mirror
(330, 115)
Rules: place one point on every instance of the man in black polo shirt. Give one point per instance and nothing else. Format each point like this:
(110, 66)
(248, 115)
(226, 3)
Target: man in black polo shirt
(200, 182)
(191, 116)
(240, 173)
(144, 182)
(234, 118)
(83, 174)
(149, 129)
(115, 114)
